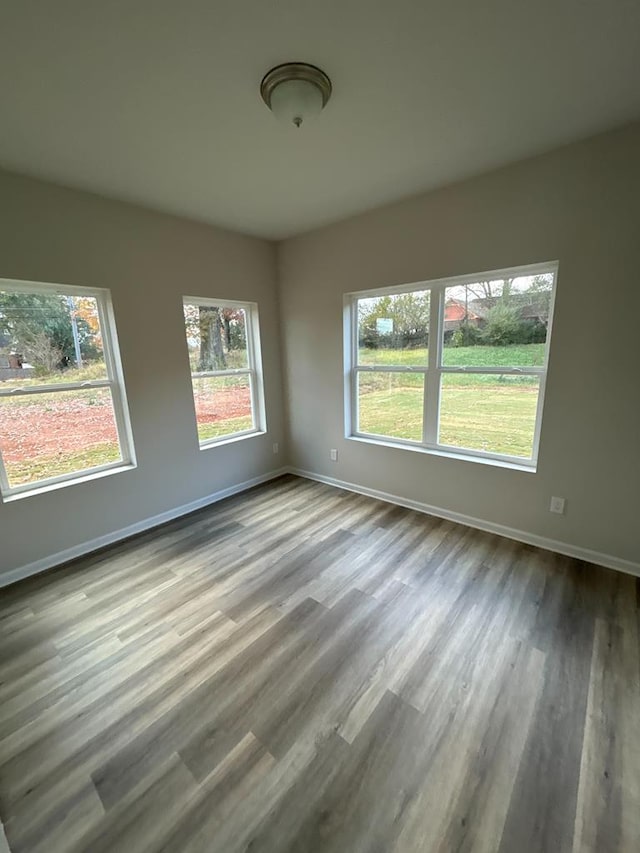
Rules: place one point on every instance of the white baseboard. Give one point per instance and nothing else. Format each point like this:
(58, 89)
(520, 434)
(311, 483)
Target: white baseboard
(565, 548)
(80, 550)
(125, 532)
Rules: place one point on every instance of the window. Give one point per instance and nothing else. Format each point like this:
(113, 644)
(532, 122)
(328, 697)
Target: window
(456, 365)
(226, 373)
(63, 412)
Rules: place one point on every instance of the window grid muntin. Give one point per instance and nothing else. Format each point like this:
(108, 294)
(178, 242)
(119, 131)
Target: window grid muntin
(114, 382)
(253, 370)
(435, 369)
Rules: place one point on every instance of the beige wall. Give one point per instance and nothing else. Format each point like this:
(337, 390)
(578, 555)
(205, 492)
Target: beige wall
(579, 205)
(148, 261)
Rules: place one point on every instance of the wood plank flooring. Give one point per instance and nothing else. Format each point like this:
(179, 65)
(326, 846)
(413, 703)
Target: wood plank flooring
(304, 669)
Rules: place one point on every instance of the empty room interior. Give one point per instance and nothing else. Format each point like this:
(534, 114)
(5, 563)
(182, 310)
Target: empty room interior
(320, 426)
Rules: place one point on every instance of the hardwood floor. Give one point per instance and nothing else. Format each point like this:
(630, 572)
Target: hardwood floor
(304, 669)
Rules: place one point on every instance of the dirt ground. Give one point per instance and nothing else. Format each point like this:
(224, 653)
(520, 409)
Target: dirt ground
(32, 429)
(227, 403)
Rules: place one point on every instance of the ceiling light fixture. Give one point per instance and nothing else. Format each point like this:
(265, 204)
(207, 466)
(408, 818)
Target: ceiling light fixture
(295, 91)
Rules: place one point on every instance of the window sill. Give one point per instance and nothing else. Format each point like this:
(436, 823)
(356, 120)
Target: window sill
(72, 481)
(446, 454)
(231, 439)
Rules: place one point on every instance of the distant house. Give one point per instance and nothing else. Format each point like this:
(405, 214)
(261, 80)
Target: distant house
(455, 312)
(12, 366)
(530, 306)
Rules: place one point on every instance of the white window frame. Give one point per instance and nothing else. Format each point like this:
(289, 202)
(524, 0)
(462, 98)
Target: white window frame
(434, 370)
(114, 382)
(253, 369)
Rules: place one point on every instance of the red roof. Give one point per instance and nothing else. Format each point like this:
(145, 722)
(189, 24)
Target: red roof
(455, 310)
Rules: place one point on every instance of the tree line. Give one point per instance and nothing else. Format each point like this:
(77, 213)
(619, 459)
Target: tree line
(38, 328)
(494, 313)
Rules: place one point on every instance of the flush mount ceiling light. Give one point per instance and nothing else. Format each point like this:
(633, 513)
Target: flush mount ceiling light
(295, 91)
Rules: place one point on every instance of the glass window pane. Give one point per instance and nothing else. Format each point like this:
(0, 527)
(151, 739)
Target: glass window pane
(49, 338)
(216, 336)
(500, 323)
(394, 329)
(391, 404)
(488, 412)
(223, 405)
(48, 435)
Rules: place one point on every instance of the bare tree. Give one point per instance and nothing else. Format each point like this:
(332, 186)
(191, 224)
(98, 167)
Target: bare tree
(41, 352)
(492, 290)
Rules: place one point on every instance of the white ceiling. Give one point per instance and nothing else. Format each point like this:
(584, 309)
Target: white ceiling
(157, 101)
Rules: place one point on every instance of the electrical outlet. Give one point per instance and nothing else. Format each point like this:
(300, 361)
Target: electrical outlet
(275, 447)
(557, 505)
(333, 455)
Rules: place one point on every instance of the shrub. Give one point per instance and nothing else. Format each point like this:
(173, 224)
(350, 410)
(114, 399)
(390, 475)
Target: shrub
(466, 336)
(502, 326)
(532, 332)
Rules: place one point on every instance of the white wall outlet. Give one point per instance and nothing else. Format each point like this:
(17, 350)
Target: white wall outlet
(275, 447)
(557, 505)
(333, 455)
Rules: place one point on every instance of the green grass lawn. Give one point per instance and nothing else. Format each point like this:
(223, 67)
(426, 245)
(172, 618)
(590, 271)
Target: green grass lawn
(228, 426)
(39, 468)
(491, 413)
(518, 355)
(494, 418)
(396, 412)
(497, 418)
(90, 371)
